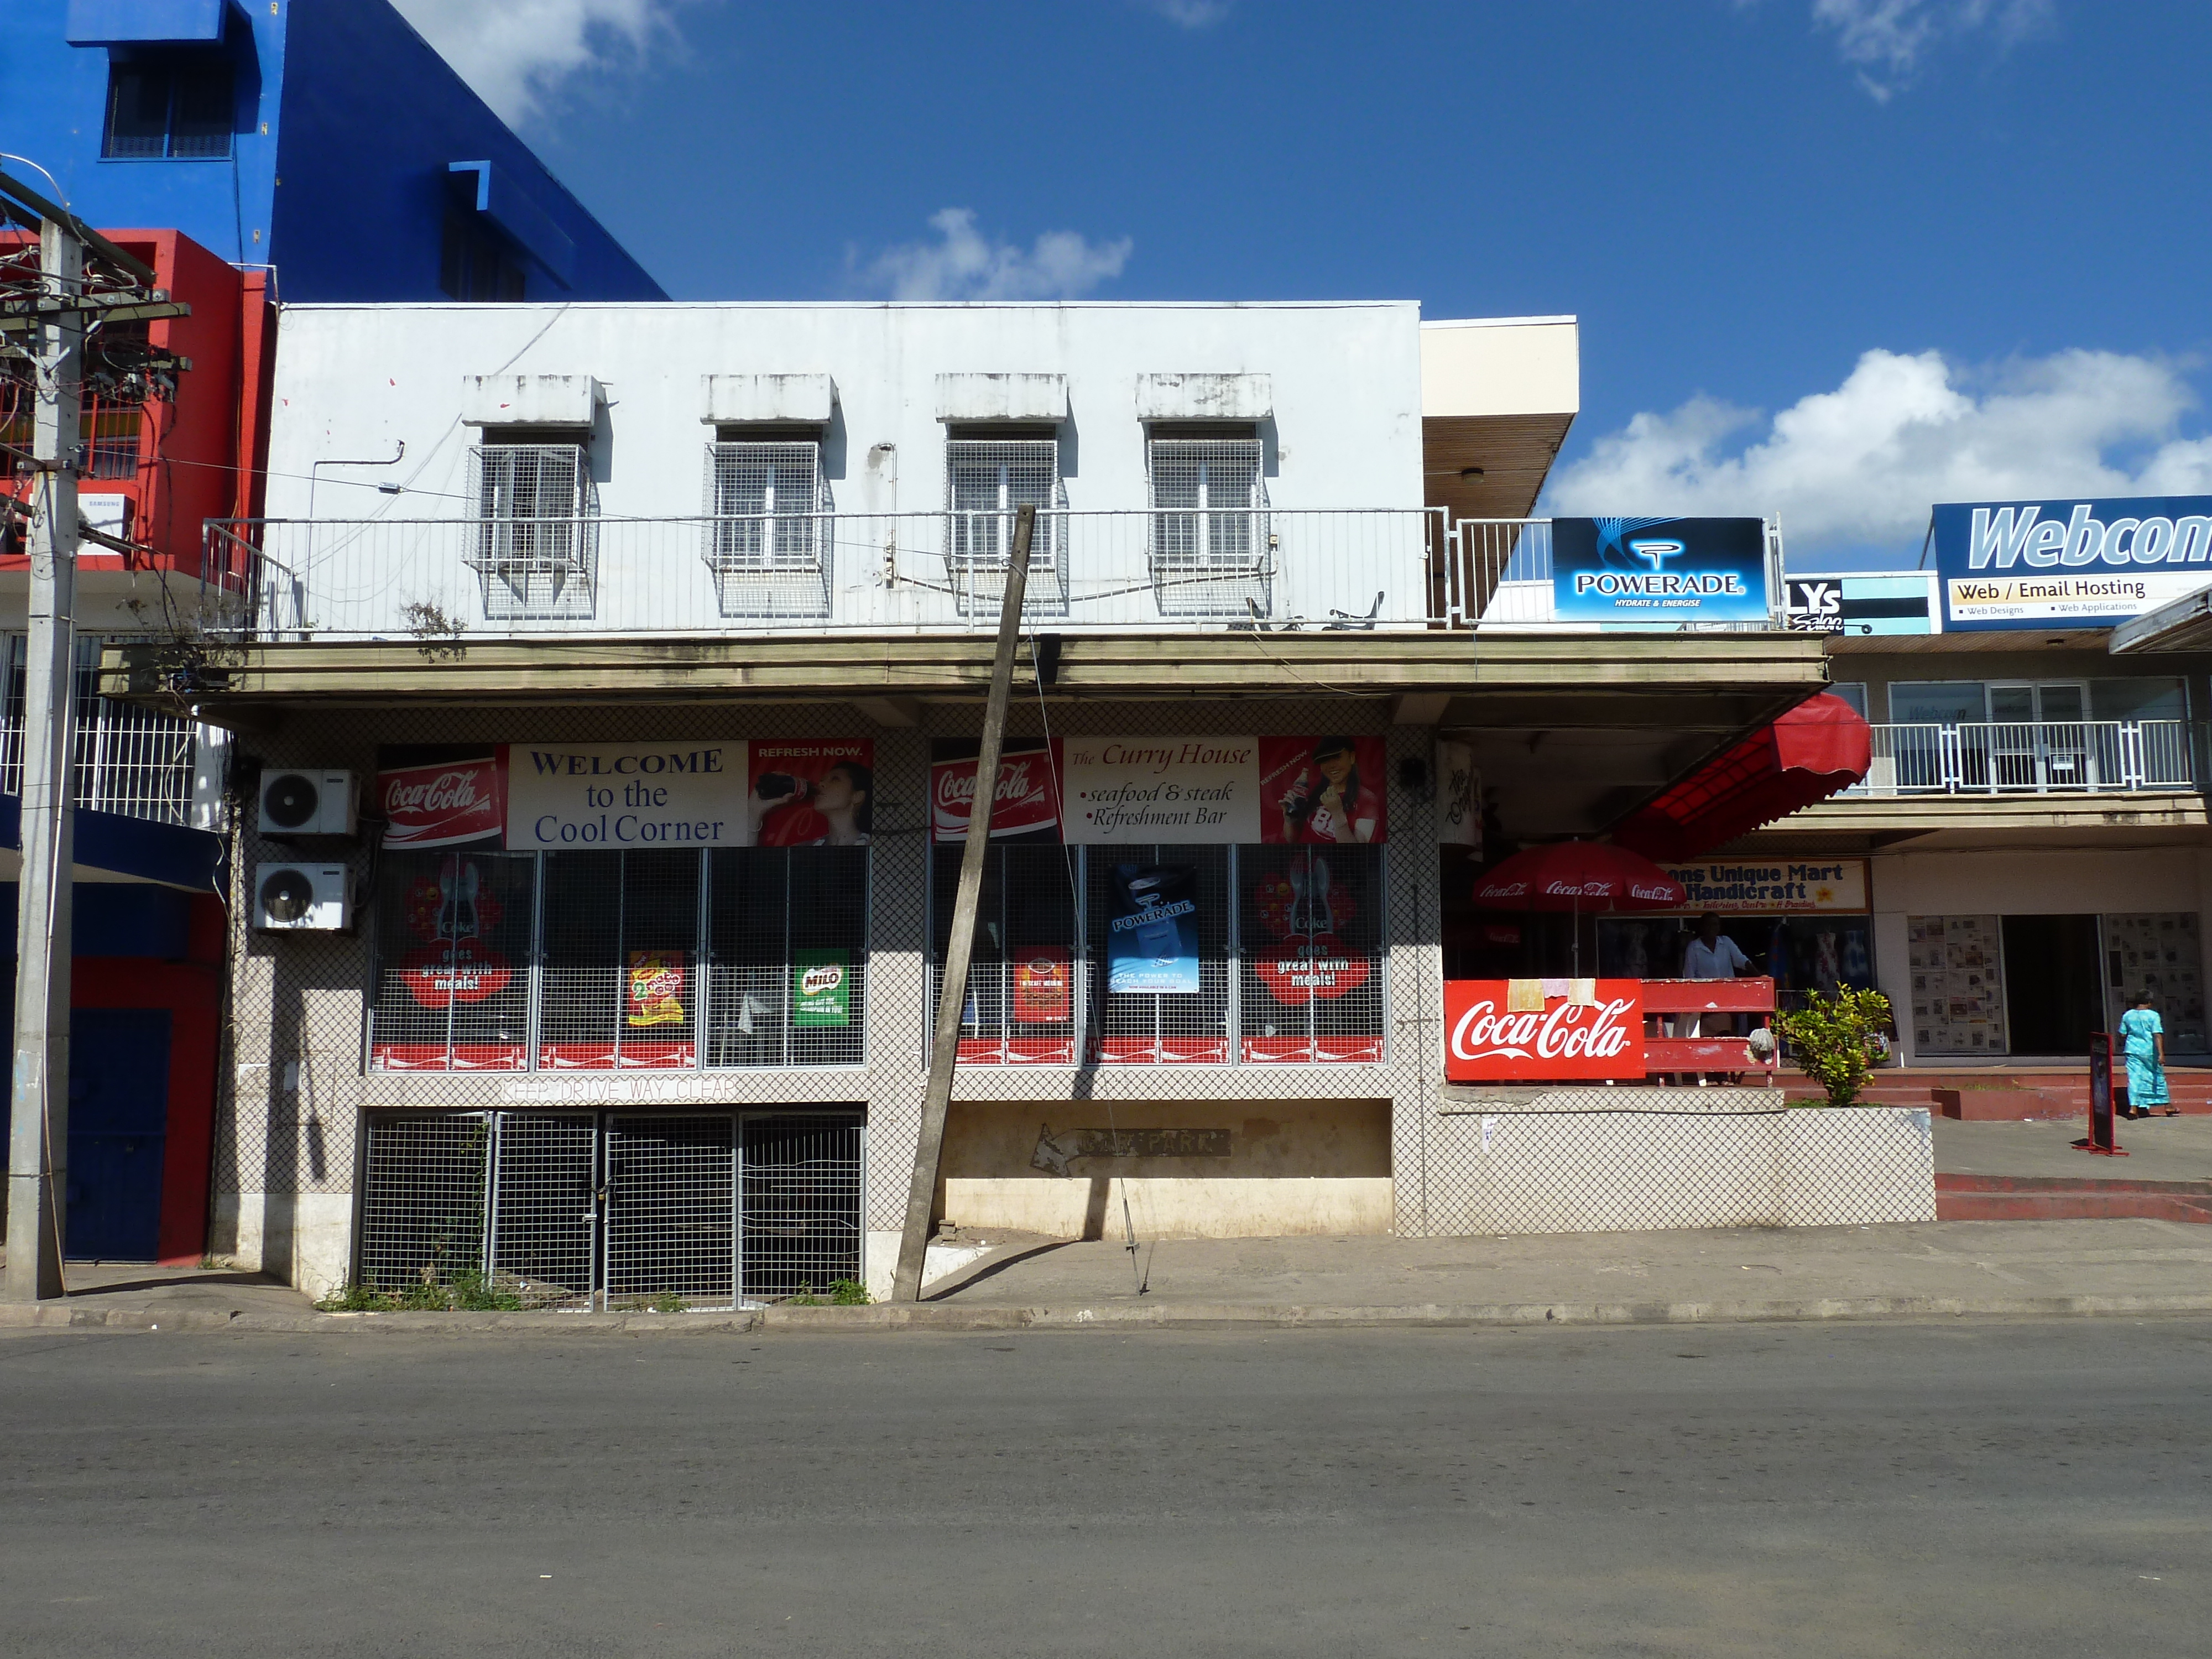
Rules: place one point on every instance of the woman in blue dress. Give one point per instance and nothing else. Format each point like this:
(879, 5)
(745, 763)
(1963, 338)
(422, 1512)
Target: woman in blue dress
(2143, 1036)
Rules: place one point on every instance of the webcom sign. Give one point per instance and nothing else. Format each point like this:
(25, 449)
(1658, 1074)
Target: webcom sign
(2069, 564)
(1665, 571)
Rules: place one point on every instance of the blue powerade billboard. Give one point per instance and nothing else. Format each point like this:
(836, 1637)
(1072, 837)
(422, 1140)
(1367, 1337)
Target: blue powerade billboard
(1668, 571)
(2078, 563)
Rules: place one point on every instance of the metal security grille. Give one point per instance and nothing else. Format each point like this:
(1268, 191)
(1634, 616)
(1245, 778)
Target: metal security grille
(1023, 995)
(544, 1210)
(1211, 547)
(579, 1210)
(1163, 1028)
(536, 547)
(767, 538)
(801, 1204)
(672, 1209)
(452, 974)
(422, 1199)
(129, 760)
(1311, 961)
(985, 479)
(621, 937)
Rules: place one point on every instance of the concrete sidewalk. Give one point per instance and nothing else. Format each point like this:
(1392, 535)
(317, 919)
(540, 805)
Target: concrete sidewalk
(1933, 1269)
(2159, 1149)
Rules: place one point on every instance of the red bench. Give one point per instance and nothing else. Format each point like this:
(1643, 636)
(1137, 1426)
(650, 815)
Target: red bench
(1688, 1055)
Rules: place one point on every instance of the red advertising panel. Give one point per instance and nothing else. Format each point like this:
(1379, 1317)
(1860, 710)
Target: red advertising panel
(812, 795)
(1323, 791)
(1045, 986)
(1027, 804)
(1489, 1040)
(443, 804)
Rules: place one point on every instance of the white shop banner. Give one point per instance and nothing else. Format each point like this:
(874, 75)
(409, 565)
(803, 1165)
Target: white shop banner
(680, 793)
(1127, 791)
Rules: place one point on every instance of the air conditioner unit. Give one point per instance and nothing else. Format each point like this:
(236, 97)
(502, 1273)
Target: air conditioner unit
(302, 898)
(309, 803)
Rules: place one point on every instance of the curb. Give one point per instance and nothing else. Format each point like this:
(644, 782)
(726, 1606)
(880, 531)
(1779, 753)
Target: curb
(1187, 1315)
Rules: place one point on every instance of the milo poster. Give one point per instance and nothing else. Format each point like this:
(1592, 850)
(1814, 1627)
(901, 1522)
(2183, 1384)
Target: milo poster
(821, 988)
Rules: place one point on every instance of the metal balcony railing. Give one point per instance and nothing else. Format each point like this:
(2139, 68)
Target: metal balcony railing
(2022, 758)
(1179, 568)
(129, 760)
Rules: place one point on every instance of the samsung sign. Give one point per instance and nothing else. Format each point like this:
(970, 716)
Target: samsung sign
(1669, 571)
(2069, 564)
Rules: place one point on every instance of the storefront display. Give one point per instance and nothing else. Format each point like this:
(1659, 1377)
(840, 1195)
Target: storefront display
(1958, 984)
(2161, 953)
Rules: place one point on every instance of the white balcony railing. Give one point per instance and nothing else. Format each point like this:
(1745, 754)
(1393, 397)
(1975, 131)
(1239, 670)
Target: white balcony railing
(2021, 758)
(130, 760)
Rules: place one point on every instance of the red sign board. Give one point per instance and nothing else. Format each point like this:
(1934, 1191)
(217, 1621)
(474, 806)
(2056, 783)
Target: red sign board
(443, 804)
(1027, 801)
(1043, 986)
(1488, 1041)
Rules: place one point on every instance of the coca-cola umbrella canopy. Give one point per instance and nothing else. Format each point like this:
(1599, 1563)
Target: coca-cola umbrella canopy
(1574, 876)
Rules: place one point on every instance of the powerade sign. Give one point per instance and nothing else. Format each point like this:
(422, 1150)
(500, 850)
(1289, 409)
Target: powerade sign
(1669, 571)
(2069, 564)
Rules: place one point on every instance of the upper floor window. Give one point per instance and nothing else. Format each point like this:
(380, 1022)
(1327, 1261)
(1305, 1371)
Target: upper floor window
(475, 262)
(1212, 546)
(537, 546)
(176, 107)
(990, 473)
(769, 538)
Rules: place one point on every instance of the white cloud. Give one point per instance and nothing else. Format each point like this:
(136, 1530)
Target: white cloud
(1193, 13)
(1886, 39)
(516, 54)
(964, 264)
(1863, 464)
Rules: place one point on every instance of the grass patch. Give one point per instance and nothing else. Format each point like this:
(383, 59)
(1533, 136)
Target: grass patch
(463, 1293)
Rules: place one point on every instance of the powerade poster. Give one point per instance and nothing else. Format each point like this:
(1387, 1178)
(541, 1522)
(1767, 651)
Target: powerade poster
(2081, 563)
(1152, 931)
(1669, 571)
(821, 988)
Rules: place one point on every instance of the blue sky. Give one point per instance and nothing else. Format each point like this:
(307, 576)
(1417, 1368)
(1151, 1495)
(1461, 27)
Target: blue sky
(2000, 198)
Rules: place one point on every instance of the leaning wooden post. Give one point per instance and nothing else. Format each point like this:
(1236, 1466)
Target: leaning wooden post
(952, 995)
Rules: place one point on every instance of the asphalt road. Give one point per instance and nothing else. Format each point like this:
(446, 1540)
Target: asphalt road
(1803, 1490)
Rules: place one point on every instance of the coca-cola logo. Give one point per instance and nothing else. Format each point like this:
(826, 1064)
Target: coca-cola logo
(1568, 1031)
(448, 792)
(439, 806)
(1023, 799)
(1655, 892)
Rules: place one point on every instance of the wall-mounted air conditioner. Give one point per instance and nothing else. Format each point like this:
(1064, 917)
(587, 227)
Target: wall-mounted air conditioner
(302, 898)
(302, 803)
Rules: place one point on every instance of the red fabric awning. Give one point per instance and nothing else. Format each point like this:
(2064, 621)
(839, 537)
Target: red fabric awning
(1821, 745)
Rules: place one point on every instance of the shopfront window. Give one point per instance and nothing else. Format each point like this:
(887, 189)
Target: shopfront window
(1175, 954)
(598, 961)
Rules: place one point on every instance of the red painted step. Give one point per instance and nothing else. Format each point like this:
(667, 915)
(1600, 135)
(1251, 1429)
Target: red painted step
(2064, 1197)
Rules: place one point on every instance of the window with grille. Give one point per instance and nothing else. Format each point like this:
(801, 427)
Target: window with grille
(129, 760)
(179, 107)
(1211, 547)
(598, 961)
(1280, 960)
(987, 480)
(537, 546)
(767, 536)
(1023, 998)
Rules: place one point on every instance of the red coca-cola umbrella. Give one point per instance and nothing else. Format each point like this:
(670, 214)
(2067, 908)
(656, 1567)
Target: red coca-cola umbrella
(1569, 874)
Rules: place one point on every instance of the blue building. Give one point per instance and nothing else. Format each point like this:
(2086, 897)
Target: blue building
(323, 138)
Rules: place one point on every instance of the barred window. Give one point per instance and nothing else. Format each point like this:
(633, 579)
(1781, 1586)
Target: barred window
(628, 959)
(453, 974)
(1211, 541)
(537, 546)
(986, 480)
(1189, 955)
(767, 536)
(1023, 996)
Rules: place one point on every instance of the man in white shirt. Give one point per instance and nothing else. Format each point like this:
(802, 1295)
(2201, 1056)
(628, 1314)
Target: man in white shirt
(1712, 955)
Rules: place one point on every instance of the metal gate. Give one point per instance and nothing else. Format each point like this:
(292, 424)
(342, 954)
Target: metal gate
(584, 1210)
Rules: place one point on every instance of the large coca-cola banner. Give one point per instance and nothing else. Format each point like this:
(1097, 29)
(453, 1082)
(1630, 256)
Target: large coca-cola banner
(443, 804)
(1489, 1039)
(1027, 805)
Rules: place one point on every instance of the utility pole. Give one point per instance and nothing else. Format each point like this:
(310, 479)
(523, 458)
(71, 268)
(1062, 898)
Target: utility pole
(38, 1141)
(952, 995)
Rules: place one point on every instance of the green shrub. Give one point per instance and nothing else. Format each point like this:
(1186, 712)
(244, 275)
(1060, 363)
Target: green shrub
(847, 1293)
(1837, 1040)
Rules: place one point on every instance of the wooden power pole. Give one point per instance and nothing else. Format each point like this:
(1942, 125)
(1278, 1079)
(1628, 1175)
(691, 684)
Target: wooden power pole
(952, 995)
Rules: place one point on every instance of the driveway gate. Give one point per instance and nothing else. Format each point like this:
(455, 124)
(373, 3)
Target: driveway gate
(614, 1209)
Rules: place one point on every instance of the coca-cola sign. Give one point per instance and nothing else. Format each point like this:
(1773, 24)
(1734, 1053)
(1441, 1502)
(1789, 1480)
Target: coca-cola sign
(1026, 803)
(442, 804)
(1486, 1039)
